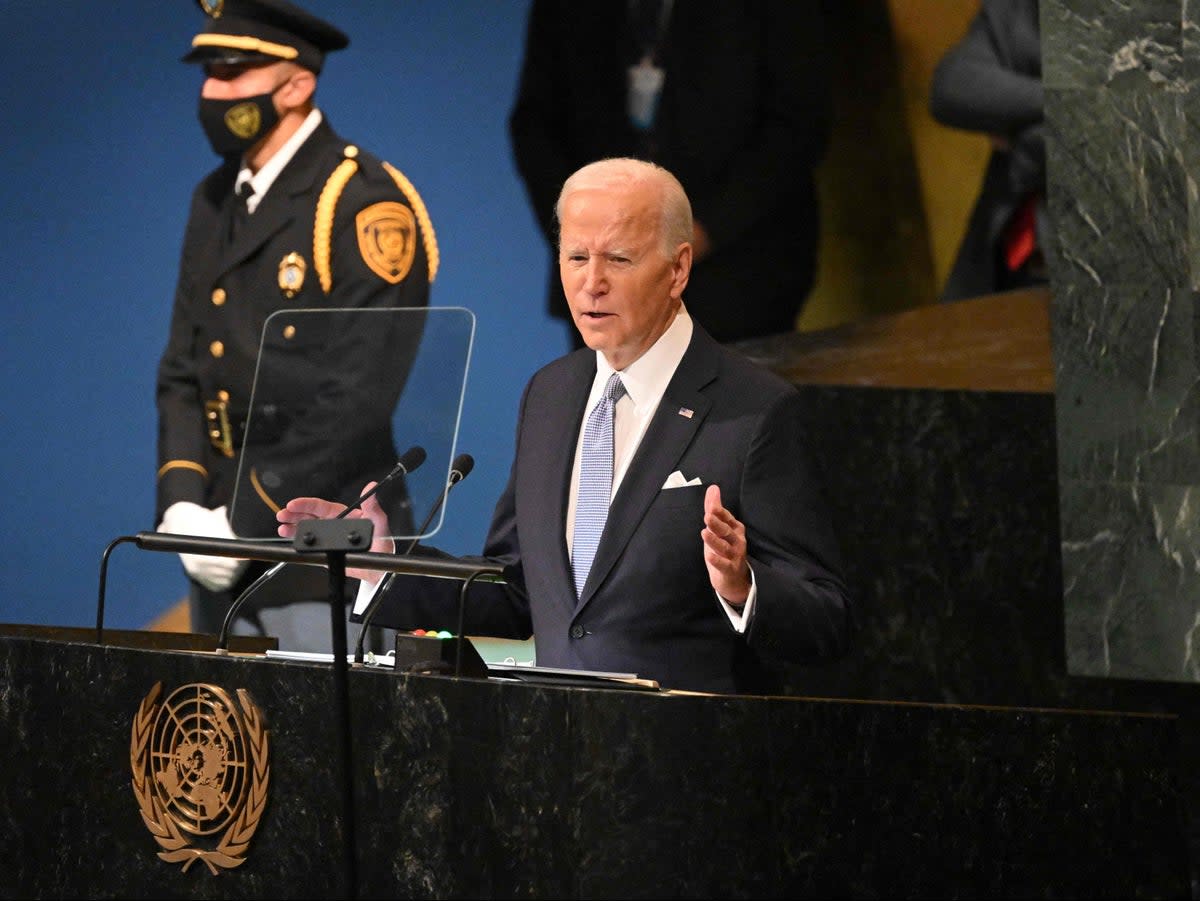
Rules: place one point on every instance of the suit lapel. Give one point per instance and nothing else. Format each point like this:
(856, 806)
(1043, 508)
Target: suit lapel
(277, 209)
(667, 437)
(207, 230)
(555, 438)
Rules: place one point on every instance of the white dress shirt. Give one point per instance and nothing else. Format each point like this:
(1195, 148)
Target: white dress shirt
(645, 380)
(262, 180)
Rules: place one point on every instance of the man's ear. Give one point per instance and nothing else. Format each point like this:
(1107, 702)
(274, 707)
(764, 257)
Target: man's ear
(681, 268)
(298, 90)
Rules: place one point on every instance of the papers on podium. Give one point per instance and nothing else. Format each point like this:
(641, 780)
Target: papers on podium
(521, 672)
(573, 677)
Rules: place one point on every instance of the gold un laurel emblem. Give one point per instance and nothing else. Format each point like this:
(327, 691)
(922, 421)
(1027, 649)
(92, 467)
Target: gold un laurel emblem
(201, 767)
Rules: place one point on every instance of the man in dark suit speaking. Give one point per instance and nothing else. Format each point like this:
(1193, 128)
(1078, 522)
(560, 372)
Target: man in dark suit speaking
(661, 517)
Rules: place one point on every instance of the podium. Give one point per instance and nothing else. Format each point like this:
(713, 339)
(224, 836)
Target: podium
(472, 788)
(948, 756)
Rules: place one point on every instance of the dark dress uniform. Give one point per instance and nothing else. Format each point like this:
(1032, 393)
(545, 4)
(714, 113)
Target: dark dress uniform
(340, 229)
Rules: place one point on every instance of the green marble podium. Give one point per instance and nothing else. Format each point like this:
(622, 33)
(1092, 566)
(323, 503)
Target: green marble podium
(473, 788)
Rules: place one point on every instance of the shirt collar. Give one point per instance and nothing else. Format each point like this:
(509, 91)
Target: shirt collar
(647, 377)
(262, 180)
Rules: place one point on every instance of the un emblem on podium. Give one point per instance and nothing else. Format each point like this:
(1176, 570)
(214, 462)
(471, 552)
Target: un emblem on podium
(201, 767)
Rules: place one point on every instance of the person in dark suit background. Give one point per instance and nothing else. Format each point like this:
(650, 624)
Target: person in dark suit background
(733, 98)
(716, 559)
(295, 217)
(991, 82)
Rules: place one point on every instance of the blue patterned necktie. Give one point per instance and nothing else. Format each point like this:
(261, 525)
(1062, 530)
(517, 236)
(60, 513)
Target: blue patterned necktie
(595, 481)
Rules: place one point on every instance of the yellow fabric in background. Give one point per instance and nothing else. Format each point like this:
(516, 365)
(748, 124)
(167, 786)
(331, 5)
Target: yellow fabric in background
(896, 188)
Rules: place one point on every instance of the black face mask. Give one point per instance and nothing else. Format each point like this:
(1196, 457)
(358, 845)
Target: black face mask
(234, 126)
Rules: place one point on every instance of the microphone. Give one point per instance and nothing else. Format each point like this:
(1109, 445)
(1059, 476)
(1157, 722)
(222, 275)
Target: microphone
(408, 462)
(460, 468)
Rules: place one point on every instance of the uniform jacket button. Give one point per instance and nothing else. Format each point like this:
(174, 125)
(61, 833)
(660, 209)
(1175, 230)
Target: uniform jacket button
(577, 631)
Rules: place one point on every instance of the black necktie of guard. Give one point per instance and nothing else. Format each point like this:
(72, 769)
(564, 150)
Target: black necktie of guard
(241, 208)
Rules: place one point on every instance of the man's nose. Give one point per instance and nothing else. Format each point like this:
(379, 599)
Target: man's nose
(214, 89)
(595, 280)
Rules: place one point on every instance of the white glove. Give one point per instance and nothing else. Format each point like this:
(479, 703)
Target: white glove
(186, 518)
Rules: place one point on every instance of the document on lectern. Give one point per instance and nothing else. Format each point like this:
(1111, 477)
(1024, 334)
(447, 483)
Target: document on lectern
(580, 678)
(370, 659)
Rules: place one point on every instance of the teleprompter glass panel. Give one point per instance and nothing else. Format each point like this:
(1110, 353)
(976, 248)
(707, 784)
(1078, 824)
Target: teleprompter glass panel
(346, 397)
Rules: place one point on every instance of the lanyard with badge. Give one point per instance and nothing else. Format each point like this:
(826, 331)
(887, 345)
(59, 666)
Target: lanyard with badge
(646, 76)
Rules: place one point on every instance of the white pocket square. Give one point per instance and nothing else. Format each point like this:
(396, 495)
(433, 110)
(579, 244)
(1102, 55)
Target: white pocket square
(676, 480)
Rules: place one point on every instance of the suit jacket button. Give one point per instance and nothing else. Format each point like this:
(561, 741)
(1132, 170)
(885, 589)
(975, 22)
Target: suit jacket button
(577, 631)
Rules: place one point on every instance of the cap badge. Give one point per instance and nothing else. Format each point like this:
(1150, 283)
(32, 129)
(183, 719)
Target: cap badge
(212, 8)
(387, 239)
(291, 274)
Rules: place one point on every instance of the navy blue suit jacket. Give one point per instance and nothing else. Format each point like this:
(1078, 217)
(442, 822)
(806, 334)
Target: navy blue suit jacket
(648, 607)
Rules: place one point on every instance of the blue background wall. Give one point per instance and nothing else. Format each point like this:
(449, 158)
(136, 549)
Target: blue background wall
(101, 152)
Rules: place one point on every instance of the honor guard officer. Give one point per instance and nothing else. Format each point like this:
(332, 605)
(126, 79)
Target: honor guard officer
(294, 217)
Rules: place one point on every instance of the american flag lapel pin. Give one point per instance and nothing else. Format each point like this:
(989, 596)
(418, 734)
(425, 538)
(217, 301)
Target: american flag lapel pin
(685, 412)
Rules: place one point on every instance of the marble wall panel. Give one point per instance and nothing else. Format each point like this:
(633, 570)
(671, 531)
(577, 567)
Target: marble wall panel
(1126, 383)
(1098, 42)
(1122, 117)
(1131, 579)
(1117, 193)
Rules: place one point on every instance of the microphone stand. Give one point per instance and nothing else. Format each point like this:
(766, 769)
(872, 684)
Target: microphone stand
(408, 462)
(462, 466)
(459, 638)
(317, 543)
(276, 553)
(335, 538)
(104, 581)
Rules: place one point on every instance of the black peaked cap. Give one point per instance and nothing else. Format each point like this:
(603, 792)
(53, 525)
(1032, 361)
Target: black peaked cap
(257, 31)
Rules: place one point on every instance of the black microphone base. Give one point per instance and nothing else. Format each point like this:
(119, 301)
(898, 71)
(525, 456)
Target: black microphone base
(426, 654)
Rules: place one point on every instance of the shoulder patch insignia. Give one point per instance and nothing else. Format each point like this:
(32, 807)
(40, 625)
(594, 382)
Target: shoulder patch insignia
(387, 239)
